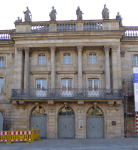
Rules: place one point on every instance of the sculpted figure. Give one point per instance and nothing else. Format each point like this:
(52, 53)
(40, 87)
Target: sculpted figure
(19, 20)
(79, 13)
(118, 16)
(105, 13)
(52, 14)
(27, 15)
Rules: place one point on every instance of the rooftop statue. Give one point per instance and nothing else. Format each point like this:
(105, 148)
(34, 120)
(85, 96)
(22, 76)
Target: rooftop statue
(53, 14)
(105, 12)
(79, 13)
(18, 19)
(27, 15)
(118, 16)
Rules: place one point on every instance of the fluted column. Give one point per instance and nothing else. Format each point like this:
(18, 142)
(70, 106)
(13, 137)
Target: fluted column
(115, 66)
(79, 48)
(52, 49)
(26, 68)
(107, 67)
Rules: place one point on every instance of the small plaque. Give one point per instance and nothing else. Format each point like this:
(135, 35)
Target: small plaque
(80, 124)
(113, 122)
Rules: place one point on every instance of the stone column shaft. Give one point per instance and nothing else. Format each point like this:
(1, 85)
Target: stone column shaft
(107, 67)
(52, 49)
(115, 66)
(26, 68)
(79, 48)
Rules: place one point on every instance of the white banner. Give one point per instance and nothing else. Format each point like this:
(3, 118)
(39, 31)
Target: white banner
(135, 72)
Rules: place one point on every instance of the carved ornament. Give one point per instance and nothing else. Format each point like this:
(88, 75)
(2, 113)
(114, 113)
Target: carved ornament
(65, 104)
(118, 105)
(122, 53)
(16, 104)
(106, 48)
(23, 103)
(95, 104)
(110, 105)
(114, 48)
(79, 48)
(53, 49)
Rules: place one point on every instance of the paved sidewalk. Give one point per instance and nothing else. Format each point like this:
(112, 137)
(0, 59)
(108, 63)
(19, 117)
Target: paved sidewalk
(75, 144)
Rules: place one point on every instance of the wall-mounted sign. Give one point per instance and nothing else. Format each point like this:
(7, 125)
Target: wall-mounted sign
(80, 124)
(135, 72)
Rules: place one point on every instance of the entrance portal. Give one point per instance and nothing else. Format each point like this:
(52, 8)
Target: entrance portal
(94, 123)
(39, 120)
(1, 122)
(66, 123)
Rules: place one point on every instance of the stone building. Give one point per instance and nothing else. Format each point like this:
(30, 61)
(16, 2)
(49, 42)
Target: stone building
(66, 77)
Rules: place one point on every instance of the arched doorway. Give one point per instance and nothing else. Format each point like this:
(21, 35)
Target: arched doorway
(66, 123)
(1, 122)
(94, 123)
(39, 120)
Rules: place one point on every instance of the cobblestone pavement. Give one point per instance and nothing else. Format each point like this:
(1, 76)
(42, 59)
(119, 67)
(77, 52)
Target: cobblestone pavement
(75, 144)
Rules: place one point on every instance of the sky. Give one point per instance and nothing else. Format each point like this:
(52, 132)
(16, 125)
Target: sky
(66, 10)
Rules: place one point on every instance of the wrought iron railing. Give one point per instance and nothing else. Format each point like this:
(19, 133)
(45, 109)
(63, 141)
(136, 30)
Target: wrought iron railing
(67, 93)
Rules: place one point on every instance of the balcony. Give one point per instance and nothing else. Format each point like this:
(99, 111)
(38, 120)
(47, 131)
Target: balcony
(71, 93)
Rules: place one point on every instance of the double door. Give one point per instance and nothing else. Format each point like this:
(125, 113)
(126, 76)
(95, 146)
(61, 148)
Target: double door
(40, 122)
(94, 127)
(66, 127)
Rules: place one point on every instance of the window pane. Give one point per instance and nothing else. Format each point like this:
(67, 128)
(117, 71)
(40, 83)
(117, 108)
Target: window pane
(94, 60)
(134, 57)
(69, 83)
(44, 84)
(96, 83)
(134, 61)
(1, 61)
(66, 58)
(41, 59)
(90, 84)
(63, 83)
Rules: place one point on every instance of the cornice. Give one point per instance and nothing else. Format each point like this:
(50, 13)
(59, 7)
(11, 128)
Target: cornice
(66, 72)
(93, 71)
(40, 72)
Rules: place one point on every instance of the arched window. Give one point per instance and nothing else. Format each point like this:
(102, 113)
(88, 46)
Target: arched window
(1, 62)
(41, 59)
(135, 60)
(66, 59)
(92, 58)
(38, 110)
(94, 112)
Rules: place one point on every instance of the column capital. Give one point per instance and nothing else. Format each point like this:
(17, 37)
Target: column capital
(114, 48)
(19, 49)
(52, 49)
(79, 48)
(106, 48)
(26, 49)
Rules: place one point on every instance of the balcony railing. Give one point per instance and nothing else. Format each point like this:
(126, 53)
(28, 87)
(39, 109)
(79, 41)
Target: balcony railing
(67, 93)
(130, 31)
(5, 34)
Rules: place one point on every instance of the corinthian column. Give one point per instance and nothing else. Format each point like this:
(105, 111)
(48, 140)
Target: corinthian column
(79, 48)
(52, 49)
(115, 66)
(26, 68)
(107, 67)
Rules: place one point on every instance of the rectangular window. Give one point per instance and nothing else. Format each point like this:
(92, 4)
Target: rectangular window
(66, 59)
(92, 58)
(41, 88)
(1, 62)
(135, 60)
(93, 85)
(67, 87)
(1, 85)
(41, 59)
